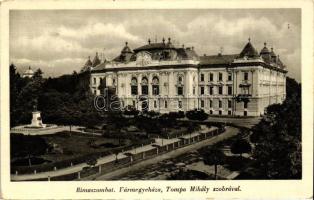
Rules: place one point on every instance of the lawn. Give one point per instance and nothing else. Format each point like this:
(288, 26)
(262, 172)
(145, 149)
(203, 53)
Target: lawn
(79, 144)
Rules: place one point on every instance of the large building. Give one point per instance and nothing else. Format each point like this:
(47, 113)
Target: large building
(165, 78)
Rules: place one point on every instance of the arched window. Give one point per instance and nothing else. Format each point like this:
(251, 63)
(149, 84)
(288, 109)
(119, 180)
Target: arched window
(144, 86)
(133, 86)
(155, 86)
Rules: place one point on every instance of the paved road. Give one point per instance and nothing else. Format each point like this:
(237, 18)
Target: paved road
(230, 131)
(247, 122)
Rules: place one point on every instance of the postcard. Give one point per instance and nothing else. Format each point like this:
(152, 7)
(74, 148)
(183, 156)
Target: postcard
(156, 99)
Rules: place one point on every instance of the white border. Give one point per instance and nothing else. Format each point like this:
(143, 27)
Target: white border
(250, 189)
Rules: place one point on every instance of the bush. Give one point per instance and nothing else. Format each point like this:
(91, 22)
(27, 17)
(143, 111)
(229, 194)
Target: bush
(196, 115)
(176, 115)
(131, 110)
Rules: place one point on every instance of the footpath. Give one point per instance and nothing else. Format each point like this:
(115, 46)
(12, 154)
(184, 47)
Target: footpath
(133, 157)
(229, 132)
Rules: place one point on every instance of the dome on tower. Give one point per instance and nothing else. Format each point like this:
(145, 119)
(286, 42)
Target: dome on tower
(265, 53)
(87, 66)
(249, 51)
(96, 60)
(126, 49)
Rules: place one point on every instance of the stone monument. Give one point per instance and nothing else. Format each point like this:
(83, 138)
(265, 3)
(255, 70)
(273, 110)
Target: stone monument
(36, 120)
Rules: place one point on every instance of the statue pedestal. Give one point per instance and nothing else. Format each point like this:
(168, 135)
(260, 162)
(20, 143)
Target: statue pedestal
(37, 121)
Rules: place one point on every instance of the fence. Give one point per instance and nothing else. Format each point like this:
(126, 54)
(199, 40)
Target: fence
(132, 158)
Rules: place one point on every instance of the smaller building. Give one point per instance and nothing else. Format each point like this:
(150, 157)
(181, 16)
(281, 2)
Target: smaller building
(28, 73)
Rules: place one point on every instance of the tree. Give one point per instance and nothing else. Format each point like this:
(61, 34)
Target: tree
(27, 146)
(241, 146)
(213, 156)
(277, 137)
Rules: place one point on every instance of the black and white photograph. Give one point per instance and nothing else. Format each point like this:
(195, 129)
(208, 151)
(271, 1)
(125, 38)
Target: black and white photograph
(122, 95)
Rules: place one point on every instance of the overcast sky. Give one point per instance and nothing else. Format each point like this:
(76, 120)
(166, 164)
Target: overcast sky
(60, 41)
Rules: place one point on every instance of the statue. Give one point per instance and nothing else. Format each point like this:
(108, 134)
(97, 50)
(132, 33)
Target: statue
(35, 102)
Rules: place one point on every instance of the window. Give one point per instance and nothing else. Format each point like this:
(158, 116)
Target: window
(180, 80)
(202, 90)
(180, 90)
(229, 90)
(220, 90)
(229, 112)
(245, 104)
(229, 103)
(133, 102)
(166, 104)
(211, 77)
(220, 104)
(134, 86)
(94, 80)
(144, 86)
(211, 90)
(202, 77)
(220, 112)
(113, 81)
(229, 77)
(211, 103)
(155, 104)
(193, 90)
(155, 86)
(220, 77)
(245, 90)
(246, 76)
(245, 113)
(180, 104)
(211, 112)
(202, 103)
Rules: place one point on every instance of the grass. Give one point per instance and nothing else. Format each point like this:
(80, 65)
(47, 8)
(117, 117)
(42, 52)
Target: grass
(79, 144)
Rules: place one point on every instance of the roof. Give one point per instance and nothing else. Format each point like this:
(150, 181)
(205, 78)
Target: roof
(88, 62)
(126, 49)
(29, 71)
(123, 57)
(152, 46)
(96, 61)
(264, 50)
(186, 53)
(272, 53)
(249, 51)
(217, 59)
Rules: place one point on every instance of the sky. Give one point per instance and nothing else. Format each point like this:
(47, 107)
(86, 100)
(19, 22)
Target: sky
(60, 41)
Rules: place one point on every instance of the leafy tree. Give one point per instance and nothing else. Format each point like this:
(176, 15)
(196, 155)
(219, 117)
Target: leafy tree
(213, 156)
(27, 146)
(241, 146)
(277, 137)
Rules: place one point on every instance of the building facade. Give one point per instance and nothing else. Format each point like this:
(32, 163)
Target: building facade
(166, 78)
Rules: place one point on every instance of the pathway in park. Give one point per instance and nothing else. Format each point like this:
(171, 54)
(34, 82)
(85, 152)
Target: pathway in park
(230, 131)
(76, 168)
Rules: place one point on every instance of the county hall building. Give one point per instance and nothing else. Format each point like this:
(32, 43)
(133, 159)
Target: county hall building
(166, 78)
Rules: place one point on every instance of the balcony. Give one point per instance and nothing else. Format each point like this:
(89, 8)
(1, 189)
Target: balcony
(245, 83)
